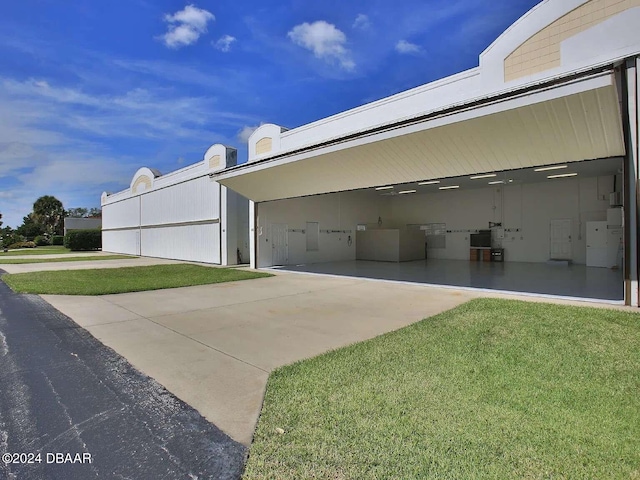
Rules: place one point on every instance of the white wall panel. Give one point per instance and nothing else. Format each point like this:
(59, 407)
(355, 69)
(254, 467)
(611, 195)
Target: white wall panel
(197, 243)
(528, 208)
(336, 211)
(121, 241)
(195, 200)
(121, 214)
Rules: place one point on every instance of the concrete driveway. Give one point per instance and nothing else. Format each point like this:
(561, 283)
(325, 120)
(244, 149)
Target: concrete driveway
(213, 346)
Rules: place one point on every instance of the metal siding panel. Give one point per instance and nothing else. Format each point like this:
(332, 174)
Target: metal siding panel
(190, 201)
(121, 214)
(120, 241)
(196, 243)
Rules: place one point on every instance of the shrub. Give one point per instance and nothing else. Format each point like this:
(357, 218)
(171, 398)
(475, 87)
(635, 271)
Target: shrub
(11, 238)
(22, 245)
(41, 241)
(57, 240)
(83, 239)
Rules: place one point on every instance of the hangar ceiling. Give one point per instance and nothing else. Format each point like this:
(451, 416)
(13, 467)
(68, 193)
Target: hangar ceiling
(570, 123)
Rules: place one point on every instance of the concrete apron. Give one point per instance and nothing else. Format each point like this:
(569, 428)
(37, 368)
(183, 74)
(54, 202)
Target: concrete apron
(213, 346)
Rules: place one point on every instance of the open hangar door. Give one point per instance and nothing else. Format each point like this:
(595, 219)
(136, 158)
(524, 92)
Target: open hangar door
(552, 230)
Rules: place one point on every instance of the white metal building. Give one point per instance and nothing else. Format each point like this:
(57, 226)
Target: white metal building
(182, 215)
(534, 144)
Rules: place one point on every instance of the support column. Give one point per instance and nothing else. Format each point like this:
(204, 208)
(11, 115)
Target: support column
(629, 104)
(253, 244)
(224, 226)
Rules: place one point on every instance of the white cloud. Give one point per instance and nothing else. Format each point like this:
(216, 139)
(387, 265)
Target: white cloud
(324, 40)
(245, 133)
(224, 81)
(362, 22)
(224, 43)
(186, 26)
(45, 149)
(135, 113)
(405, 47)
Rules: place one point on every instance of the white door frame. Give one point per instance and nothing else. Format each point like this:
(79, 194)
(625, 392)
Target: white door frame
(553, 253)
(284, 230)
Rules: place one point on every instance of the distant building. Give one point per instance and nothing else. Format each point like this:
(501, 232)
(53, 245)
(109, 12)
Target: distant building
(74, 223)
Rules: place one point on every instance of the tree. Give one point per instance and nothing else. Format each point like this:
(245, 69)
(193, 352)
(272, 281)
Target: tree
(77, 212)
(9, 236)
(30, 228)
(49, 212)
(84, 212)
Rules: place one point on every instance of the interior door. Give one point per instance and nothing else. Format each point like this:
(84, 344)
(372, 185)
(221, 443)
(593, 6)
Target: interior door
(279, 244)
(560, 239)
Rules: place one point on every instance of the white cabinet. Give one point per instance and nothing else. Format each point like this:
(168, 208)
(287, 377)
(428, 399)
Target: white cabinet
(603, 245)
(614, 217)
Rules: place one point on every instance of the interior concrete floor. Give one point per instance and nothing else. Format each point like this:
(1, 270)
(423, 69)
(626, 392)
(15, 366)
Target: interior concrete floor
(577, 281)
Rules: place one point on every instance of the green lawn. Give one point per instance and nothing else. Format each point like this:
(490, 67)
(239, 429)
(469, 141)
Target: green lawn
(493, 389)
(50, 250)
(120, 280)
(14, 261)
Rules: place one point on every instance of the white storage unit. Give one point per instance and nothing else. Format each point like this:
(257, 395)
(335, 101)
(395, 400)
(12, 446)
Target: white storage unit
(183, 215)
(614, 217)
(604, 245)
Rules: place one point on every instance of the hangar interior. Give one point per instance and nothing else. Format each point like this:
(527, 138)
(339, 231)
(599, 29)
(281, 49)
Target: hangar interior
(427, 234)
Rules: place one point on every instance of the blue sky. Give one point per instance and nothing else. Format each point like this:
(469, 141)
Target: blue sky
(92, 90)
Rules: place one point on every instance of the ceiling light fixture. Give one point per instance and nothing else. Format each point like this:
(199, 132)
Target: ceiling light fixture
(477, 177)
(385, 188)
(430, 182)
(564, 175)
(545, 169)
(449, 187)
(497, 182)
(406, 191)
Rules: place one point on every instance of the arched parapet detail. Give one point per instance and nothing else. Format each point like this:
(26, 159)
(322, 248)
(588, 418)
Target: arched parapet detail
(265, 141)
(218, 157)
(559, 36)
(103, 197)
(143, 180)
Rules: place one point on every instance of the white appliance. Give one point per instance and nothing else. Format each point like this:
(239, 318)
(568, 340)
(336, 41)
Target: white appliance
(604, 242)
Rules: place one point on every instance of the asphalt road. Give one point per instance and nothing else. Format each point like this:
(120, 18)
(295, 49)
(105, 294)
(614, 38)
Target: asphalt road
(71, 408)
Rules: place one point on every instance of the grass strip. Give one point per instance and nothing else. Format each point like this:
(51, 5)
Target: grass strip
(121, 280)
(493, 389)
(52, 250)
(16, 261)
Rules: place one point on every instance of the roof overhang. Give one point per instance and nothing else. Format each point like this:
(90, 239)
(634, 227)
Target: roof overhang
(573, 121)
